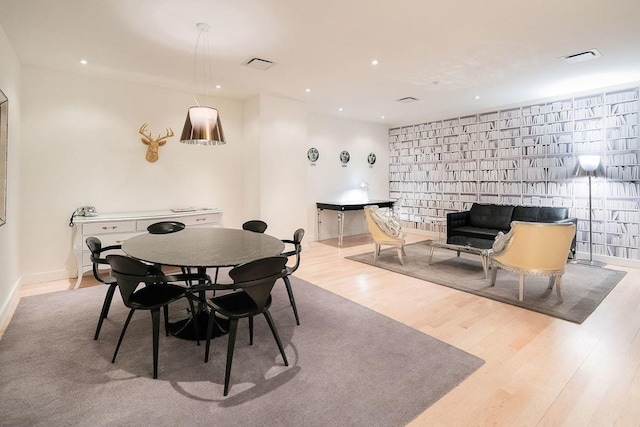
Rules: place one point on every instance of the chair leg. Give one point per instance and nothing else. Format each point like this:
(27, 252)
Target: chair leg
(552, 281)
(105, 308)
(400, 256)
(559, 286)
(212, 319)
(292, 300)
(155, 319)
(494, 274)
(376, 251)
(165, 309)
(274, 331)
(521, 288)
(250, 330)
(233, 329)
(124, 329)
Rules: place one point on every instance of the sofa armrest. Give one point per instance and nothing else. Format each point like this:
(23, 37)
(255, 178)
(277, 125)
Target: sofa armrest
(457, 219)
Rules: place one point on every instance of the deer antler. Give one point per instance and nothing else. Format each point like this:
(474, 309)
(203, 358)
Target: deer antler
(161, 140)
(153, 144)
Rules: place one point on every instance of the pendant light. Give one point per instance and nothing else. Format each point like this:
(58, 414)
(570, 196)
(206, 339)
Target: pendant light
(202, 126)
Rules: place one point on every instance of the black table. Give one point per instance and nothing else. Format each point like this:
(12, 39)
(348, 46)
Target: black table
(341, 208)
(202, 248)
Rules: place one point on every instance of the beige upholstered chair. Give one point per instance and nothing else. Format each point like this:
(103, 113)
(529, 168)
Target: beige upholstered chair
(384, 231)
(534, 248)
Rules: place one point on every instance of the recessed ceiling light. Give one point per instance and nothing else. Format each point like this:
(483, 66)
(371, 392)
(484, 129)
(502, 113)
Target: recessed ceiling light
(477, 96)
(382, 117)
(84, 61)
(218, 87)
(340, 109)
(374, 62)
(307, 90)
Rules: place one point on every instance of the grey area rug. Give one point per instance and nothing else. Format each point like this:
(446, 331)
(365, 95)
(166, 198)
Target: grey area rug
(348, 366)
(583, 287)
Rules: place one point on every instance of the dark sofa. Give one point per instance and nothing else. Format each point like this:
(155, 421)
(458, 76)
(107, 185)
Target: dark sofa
(479, 226)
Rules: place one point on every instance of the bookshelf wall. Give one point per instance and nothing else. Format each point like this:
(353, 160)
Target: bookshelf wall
(526, 156)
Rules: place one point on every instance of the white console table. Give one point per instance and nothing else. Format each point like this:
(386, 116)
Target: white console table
(115, 228)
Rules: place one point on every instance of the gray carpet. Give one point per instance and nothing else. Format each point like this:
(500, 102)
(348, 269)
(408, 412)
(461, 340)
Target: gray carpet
(349, 366)
(583, 287)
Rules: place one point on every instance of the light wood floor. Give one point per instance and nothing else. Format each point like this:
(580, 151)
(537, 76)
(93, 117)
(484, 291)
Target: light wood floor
(539, 371)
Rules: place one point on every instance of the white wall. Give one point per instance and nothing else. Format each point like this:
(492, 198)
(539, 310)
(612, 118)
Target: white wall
(283, 185)
(80, 146)
(9, 232)
(329, 181)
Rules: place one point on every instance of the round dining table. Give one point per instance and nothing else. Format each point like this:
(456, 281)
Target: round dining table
(202, 248)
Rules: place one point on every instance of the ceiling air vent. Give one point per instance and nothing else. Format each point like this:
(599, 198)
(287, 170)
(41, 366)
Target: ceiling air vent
(259, 64)
(407, 99)
(581, 57)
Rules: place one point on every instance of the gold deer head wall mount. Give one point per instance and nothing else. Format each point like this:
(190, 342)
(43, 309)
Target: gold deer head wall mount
(153, 144)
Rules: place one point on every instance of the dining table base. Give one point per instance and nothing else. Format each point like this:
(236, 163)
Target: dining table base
(183, 328)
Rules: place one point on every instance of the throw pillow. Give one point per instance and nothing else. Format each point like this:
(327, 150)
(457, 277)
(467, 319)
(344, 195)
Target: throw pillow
(501, 241)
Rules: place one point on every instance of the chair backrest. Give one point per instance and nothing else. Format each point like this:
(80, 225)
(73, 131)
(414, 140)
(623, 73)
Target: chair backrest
(257, 278)
(297, 242)
(95, 247)
(129, 273)
(165, 227)
(537, 246)
(390, 232)
(255, 225)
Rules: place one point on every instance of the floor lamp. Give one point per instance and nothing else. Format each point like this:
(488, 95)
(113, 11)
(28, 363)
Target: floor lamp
(591, 166)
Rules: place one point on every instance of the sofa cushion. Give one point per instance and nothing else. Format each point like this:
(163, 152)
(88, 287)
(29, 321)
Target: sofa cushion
(490, 216)
(478, 232)
(552, 214)
(526, 213)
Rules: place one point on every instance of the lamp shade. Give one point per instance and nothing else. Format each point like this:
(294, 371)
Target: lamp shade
(203, 127)
(589, 165)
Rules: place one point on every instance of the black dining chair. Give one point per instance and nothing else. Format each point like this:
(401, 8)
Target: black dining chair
(297, 248)
(255, 225)
(97, 259)
(159, 292)
(165, 227)
(253, 282)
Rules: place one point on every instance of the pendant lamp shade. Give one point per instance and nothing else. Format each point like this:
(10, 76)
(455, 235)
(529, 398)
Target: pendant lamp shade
(202, 127)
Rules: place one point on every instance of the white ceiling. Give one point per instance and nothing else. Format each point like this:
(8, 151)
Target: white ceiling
(504, 51)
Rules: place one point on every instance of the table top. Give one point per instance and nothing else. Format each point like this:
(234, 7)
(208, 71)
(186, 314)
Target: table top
(353, 206)
(461, 248)
(203, 247)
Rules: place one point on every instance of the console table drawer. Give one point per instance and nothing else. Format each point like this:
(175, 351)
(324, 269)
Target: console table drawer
(90, 229)
(213, 218)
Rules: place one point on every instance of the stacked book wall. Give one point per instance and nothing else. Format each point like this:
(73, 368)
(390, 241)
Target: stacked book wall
(526, 156)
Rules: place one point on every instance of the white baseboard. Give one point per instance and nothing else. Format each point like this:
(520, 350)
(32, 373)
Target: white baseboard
(47, 276)
(4, 310)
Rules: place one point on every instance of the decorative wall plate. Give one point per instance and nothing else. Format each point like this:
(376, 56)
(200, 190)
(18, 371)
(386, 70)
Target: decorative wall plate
(313, 154)
(345, 157)
(371, 158)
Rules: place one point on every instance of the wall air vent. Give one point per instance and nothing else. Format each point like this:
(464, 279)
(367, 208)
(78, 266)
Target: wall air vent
(407, 99)
(581, 57)
(259, 64)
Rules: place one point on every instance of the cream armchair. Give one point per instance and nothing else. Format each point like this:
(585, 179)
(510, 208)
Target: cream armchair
(533, 248)
(385, 230)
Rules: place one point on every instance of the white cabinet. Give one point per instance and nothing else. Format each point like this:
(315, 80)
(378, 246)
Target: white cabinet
(115, 228)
